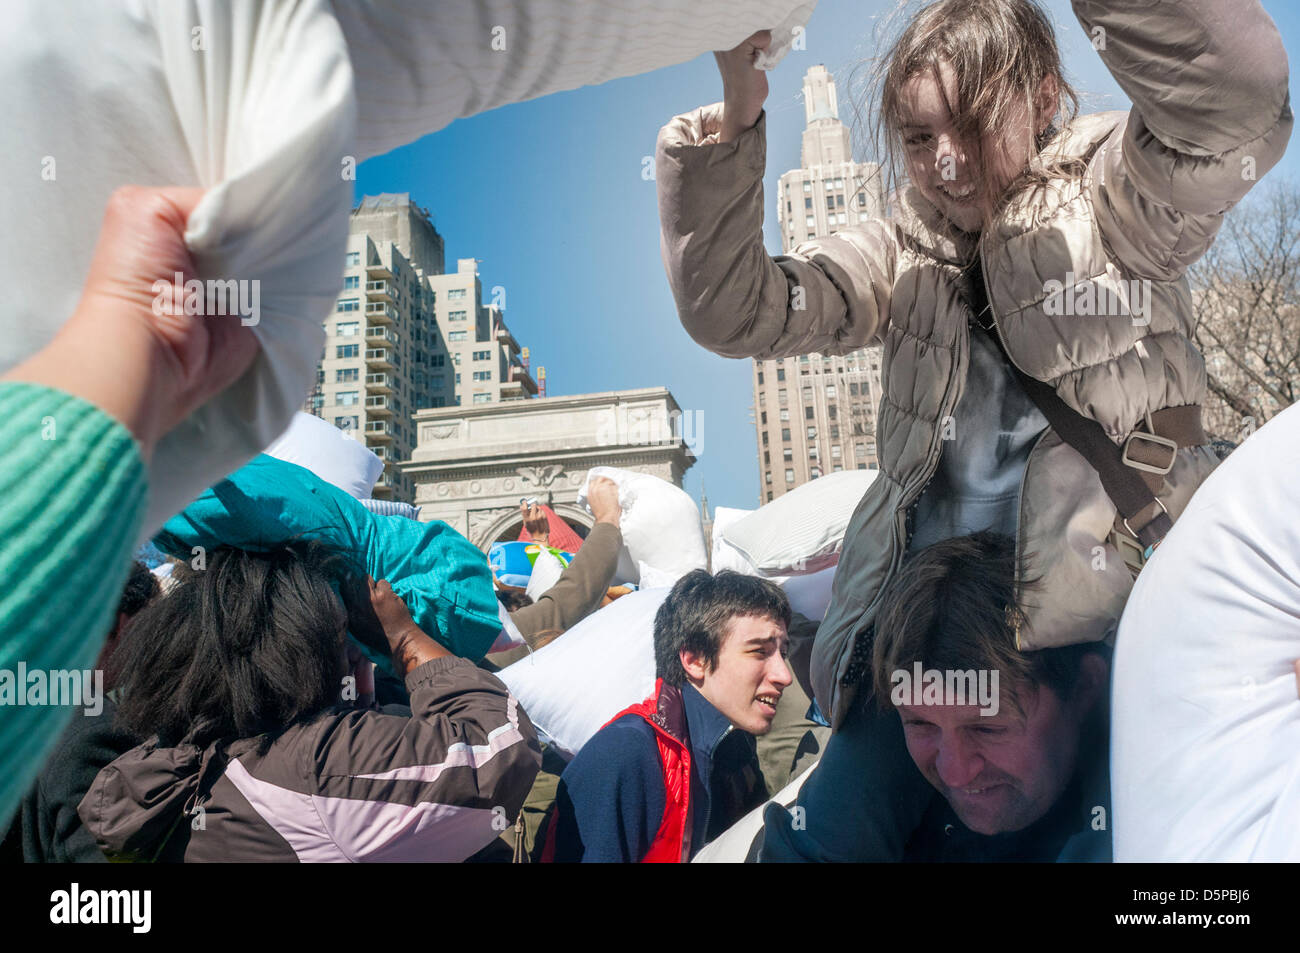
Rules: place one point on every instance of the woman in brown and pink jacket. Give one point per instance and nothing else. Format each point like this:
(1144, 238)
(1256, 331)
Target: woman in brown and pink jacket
(1014, 207)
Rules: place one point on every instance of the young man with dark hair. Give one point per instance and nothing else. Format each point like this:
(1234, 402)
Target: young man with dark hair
(1014, 744)
(669, 774)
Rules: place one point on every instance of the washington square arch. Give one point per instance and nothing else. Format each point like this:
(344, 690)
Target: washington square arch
(473, 464)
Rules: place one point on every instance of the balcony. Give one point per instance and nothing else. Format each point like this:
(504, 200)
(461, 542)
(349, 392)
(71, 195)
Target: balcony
(380, 383)
(381, 313)
(379, 357)
(379, 407)
(377, 334)
(377, 270)
(379, 430)
(378, 291)
(383, 453)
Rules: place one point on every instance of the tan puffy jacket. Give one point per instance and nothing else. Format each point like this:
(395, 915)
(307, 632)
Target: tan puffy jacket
(1208, 79)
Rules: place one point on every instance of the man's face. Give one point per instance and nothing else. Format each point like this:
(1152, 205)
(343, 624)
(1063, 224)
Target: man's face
(750, 676)
(1002, 772)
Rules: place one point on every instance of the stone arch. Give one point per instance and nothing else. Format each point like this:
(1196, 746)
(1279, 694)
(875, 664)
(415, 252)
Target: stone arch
(506, 527)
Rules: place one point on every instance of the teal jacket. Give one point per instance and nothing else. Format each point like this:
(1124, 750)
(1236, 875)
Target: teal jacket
(444, 579)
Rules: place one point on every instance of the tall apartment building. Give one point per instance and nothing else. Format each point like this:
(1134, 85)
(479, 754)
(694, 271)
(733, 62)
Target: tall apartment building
(394, 343)
(817, 414)
(487, 364)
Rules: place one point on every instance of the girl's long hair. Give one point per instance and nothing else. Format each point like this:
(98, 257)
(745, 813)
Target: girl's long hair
(999, 52)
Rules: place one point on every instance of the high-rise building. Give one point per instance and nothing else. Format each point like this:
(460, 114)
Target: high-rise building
(487, 363)
(817, 414)
(395, 342)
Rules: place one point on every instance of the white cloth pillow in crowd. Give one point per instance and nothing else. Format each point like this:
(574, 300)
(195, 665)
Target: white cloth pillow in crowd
(809, 593)
(336, 456)
(546, 573)
(270, 106)
(803, 530)
(392, 508)
(660, 523)
(1205, 751)
(510, 637)
(575, 684)
(724, 554)
(736, 844)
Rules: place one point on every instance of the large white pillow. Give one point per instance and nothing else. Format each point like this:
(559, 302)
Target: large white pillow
(809, 592)
(258, 102)
(581, 680)
(336, 456)
(803, 530)
(660, 523)
(736, 843)
(1205, 753)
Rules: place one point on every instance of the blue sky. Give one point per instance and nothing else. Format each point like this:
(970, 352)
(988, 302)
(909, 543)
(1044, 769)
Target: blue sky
(548, 195)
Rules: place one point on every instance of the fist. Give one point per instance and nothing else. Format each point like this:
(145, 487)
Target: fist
(744, 88)
(602, 500)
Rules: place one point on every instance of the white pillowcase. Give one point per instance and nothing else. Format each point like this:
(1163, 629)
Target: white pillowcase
(336, 456)
(660, 524)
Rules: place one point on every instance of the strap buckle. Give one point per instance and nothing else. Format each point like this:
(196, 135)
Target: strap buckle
(1130, 550)
(1157, 440)
(1159, 503)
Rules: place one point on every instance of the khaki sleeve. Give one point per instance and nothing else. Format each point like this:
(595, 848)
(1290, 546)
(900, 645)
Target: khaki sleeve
(1211, 115)
(828, 296)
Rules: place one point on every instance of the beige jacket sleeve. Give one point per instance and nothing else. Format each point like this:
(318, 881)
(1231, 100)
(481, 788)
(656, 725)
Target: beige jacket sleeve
(580, 589)
(829, 296)
(1211, 114)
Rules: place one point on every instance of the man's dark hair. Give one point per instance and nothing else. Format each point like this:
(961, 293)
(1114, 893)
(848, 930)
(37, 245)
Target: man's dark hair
(698, 612)
(246, 647)
(952, 607)
(140, 589)
(513, 597)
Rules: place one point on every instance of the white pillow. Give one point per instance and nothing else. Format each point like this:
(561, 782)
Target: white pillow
(660, 525)
(546, 573)
(809, 593)
(575, 684)
(392, 508)
(270, 106)
(734, 844)
(802, 531)
(1205, 751)
(336, 456)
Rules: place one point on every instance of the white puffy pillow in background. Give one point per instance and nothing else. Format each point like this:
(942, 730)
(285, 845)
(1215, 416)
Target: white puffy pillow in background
(1205, 750)
(336, 456)
(575, 684)
(660, 524)
(802, 531)
(809, 592)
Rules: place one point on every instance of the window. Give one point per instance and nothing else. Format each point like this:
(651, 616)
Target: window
(830, 201)
(807, 203)
(457, 336)
(347, 423)
(789, 455)
(482, 398)
(348, 304)
(807, 395)
(455, 358)
(853, 388)
(765, 441)
(815, 472)
(437, 380)
(812, 433)
(483, 355)
(346, 398)
(833, 412)
(837, 468)
(839, 201)
(860, 449)
(351, 281)
(353, 258)
(482, 375)
(807, 413)
(780, 373)
(835, 452)
(457, 380)
(456, 294)
(785, 413)
(789, 476)
(835, 431)
(841, 219)
(839, 183)
(456, 316)
(760, 378)
(810, 222)
(782, 398)
(862, 200)
(807, 186)
(789, 207)
(763, 417)
(830, 390)
(347, 350)
(346, 375)
(785, 434)
(347, 329)
(438, 360)
(767, 457)
(767, 477)
(769, 496)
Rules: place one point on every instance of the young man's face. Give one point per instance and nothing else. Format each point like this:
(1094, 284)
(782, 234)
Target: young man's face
(750, 676)
(1002, 772)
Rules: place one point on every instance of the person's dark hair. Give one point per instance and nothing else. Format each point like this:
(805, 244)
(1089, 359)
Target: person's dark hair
(698, 612)
(513, 597)
(952, 607)
(246, 647)
(141, 588)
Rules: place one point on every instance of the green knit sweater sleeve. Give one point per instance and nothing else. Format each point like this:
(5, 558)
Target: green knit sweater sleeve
(72, 500)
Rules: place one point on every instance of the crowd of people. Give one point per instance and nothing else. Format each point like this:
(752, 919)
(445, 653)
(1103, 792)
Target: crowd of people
(301, 693)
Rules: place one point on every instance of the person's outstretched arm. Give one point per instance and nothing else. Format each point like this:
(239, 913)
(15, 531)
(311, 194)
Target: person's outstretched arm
(1211, 115)
(829, 295)
(78, 421)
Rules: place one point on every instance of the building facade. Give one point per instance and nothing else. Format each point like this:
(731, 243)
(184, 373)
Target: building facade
(399, 335)
(474, 463)
(817, 414)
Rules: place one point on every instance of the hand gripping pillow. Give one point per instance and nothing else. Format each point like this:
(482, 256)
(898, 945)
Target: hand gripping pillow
(258, 103)
(443, 577)
(1205, 751)
(660, 524)
(803, 530)
(576, 683)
